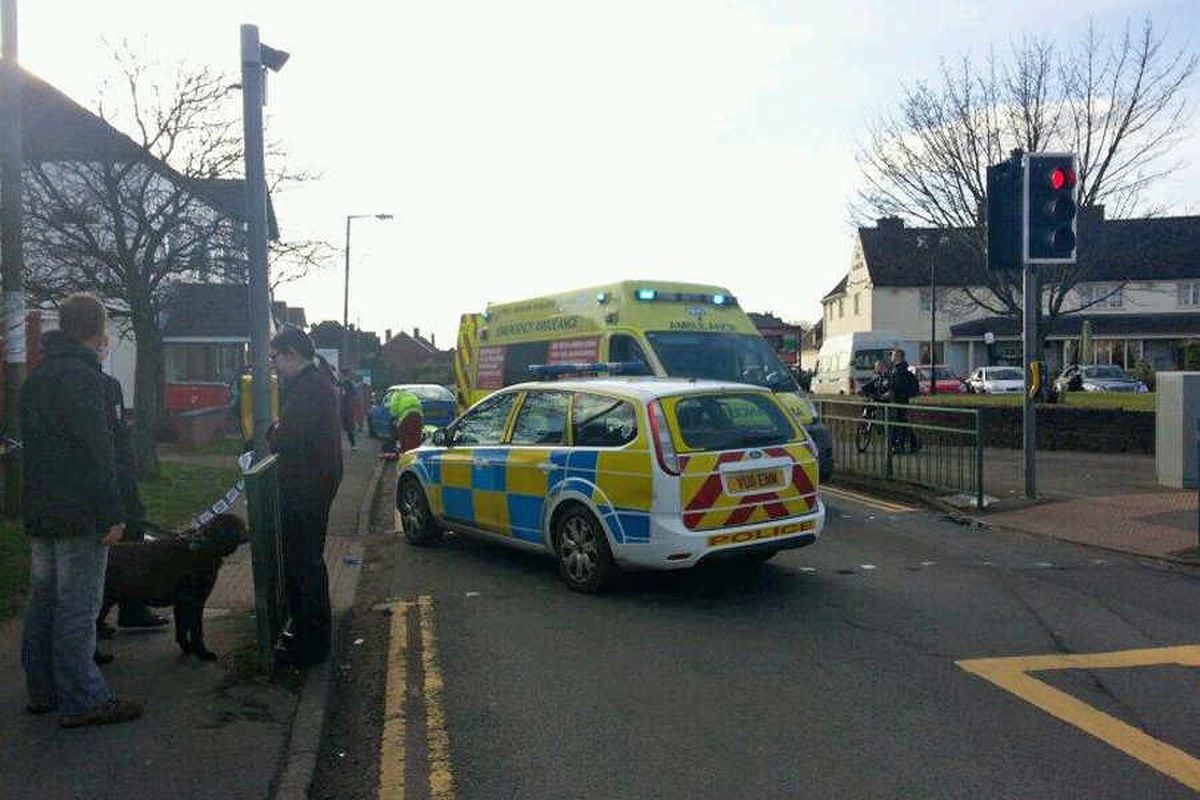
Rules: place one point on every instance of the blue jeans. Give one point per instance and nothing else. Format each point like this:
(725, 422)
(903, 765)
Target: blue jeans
(66, 589)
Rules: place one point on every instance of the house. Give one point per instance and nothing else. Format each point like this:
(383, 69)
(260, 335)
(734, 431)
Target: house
(206, 342)
(784, 337)
(810, 347)
(65, 143)
(1142, 294)
(406, 358)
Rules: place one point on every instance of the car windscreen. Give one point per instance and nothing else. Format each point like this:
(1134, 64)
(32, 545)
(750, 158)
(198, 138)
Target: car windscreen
(433, 393)
(730, 421)
(1108, 373)
(736, 357)
(1003, 375)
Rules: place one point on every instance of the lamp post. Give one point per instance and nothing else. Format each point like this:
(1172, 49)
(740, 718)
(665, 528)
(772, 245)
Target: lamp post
(346, 295)
(257, 58)
(13, 266)
(923, 243)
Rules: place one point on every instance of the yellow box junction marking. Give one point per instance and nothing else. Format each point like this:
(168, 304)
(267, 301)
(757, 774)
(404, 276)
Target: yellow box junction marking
(392, 749)
(1012, 675)
(441, 777)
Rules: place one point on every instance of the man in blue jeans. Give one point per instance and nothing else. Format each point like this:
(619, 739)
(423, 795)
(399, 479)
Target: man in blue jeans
(73, 514)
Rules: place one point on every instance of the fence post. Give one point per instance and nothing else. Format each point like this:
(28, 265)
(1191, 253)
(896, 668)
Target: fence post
(262, 506)
(887, 440)
(979, 459)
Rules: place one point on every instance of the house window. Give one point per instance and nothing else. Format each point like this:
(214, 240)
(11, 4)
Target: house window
(857, 296)
(203, 363)
(1189, 294)
(840, 309)
(1099, 295)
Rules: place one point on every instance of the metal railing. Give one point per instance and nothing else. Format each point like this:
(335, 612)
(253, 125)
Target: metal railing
(934, 447)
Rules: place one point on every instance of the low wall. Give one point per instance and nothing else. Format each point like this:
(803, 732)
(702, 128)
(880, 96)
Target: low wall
(1062, 428)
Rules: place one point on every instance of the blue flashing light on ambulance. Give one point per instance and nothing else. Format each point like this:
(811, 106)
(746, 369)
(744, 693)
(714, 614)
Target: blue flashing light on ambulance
(651, 328)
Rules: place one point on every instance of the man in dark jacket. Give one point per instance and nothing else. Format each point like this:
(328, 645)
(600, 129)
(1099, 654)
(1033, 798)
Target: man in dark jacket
(308, 442)
(903, 387)
(73, 512)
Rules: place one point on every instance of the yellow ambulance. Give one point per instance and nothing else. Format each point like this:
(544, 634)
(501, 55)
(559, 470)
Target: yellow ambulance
(637, 327)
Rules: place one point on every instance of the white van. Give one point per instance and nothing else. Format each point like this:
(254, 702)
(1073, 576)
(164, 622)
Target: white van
(847, 361)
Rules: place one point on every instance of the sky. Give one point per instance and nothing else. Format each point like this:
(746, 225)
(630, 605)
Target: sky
(536, 146)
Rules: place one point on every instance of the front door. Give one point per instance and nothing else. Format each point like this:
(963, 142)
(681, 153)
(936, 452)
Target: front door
(535, 453)
(472, 465)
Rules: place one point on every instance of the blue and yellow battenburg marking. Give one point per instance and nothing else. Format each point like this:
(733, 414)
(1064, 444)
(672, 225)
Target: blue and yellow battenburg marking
(505, 489)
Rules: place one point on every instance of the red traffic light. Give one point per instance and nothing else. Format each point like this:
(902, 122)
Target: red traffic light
(1062, 178)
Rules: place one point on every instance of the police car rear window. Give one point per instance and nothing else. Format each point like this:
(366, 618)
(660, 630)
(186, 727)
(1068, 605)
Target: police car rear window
(727, 422)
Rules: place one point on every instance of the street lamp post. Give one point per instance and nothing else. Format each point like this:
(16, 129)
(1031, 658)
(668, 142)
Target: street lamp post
(346, 293)
(257, 58)
(930, 245)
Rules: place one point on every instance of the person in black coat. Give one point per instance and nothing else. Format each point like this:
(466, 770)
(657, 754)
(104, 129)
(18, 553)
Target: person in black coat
(72, 512)
(308, 441)
(903, 387)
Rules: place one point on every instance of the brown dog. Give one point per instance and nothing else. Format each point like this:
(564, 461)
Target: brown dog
(179, 571)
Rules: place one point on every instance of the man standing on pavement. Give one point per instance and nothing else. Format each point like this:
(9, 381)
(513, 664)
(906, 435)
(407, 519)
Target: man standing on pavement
(73, 514)
(903, 387)
(308, 440)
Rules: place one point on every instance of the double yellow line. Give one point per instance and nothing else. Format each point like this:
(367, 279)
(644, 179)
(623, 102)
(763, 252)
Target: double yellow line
(867, 500)
(393, 759)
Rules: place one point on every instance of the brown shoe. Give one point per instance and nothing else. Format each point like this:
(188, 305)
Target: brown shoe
(104, 714)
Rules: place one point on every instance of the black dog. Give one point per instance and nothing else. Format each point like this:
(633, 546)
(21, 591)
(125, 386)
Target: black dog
(180, 571)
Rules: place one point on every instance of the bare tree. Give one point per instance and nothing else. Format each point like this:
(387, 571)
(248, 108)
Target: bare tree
(1120, 105)
(141, 216)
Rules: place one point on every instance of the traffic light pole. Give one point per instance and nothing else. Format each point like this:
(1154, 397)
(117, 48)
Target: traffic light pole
(1029, 315)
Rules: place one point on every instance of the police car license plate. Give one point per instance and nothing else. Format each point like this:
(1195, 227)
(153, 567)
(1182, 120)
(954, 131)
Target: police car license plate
(754, 480)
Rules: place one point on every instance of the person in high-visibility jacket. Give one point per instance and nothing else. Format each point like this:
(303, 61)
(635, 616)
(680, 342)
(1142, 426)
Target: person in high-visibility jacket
(405, 408)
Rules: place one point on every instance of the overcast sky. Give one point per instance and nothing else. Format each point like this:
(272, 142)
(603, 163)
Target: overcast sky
(534, 146)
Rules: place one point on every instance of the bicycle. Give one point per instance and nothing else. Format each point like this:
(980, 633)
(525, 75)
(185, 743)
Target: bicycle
(862, 436)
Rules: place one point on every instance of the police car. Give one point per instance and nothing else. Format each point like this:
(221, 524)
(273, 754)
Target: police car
(656, 473)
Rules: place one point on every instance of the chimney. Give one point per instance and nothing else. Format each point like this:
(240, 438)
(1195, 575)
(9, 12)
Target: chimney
(889, 224)
(387, 336)
(416, 333)
(433, 339)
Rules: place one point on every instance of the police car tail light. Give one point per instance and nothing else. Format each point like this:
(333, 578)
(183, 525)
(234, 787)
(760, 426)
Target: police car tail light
(663, 446)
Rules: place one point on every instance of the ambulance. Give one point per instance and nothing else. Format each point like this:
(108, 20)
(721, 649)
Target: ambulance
(638, 327)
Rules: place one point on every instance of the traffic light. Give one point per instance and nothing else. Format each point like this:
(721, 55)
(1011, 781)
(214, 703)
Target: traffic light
(1004, 187)
(1051, 208)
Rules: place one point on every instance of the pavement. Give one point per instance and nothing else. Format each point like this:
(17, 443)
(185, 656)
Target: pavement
(1104, 500)
(220, 730)
(1109, 501)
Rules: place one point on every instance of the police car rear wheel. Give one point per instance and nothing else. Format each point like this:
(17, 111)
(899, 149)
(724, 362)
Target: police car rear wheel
(584, 560)
(419, 526)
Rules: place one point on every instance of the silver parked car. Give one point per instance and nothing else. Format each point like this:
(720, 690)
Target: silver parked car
(1098, 378)
(996, 380)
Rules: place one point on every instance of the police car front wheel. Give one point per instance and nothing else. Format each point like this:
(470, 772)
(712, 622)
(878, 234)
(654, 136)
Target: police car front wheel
(419, 525)
(584, 559)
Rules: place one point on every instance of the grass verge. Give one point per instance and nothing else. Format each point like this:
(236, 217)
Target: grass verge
(180, 491)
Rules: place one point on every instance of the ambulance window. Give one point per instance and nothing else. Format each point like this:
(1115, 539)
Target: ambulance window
(485, 423)
(625, 349)
(542, 419)
(603, 421)
(520, 357)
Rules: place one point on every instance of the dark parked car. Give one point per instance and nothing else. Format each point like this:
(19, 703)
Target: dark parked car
(437, 408)
(1098, 378)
